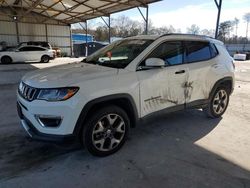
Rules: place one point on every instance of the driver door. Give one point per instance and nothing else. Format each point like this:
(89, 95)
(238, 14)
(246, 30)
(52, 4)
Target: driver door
(162, 88)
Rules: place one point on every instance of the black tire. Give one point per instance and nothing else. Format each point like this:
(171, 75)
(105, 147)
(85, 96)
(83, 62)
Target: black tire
(45, 59)
(6, 60)
(215, 112)
(98, 142)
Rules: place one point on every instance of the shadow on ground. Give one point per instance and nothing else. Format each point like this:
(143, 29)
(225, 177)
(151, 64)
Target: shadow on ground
(160, 151)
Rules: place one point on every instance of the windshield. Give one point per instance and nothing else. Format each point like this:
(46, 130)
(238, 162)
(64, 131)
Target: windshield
(118, 54)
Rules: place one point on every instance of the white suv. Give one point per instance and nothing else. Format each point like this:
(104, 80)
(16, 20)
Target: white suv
(98, 100)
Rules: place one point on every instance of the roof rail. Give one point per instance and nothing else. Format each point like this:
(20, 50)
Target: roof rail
(185, 34)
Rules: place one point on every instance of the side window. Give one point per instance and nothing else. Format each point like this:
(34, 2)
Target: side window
(214, 51)
(170, 52)
(37, 49)
(24, 49)
(197, 51)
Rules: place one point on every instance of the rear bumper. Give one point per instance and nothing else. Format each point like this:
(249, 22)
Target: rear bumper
(37, 135)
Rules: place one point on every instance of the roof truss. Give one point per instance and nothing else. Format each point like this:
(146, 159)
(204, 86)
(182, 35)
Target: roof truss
(69, 11)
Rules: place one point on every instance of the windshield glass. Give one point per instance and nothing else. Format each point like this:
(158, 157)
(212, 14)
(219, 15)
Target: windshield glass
(118, 54)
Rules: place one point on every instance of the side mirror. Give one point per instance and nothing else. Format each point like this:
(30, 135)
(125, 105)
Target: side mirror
(154, 62)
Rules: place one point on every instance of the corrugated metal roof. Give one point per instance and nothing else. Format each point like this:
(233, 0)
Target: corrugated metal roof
(73, 11)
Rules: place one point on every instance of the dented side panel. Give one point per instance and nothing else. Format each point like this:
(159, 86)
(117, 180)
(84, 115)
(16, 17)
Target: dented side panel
(161, 88)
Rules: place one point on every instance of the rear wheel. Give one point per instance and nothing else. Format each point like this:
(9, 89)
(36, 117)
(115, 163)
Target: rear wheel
(6, 60)
(106, 131)
(45, 59)
(218, 103)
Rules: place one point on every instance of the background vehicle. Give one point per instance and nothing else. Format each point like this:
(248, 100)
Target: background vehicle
(97, 101)
(36, 43)
(27, 54)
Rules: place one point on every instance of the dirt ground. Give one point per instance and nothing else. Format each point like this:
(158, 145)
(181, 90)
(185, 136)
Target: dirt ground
(182, 149)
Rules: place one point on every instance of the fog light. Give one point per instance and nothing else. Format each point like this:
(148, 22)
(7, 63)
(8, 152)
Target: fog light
(49, 121)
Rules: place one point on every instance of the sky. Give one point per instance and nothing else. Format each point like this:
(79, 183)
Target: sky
(183, 13)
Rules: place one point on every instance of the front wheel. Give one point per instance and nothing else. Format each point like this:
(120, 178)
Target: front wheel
(45, 59)
(106, 131)
(218, 103)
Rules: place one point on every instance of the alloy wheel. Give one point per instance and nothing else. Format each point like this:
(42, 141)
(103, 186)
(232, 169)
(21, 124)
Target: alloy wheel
(108, 132)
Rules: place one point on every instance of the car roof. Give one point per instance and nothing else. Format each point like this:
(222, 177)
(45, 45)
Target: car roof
(33, 46)
(177, 36)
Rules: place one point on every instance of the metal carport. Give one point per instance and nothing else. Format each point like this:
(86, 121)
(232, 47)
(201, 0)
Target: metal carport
(50, 20)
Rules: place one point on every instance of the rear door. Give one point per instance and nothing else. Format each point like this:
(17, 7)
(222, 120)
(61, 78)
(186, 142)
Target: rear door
(36, 53)
(22, 54)
(199, 61)
(162, 88)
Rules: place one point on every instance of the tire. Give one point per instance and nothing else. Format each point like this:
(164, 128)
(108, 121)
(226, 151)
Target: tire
(45, 59)
(6, 60)
(106, 131)
(218, 103)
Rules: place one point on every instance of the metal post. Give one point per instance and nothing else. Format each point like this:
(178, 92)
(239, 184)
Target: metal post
(46, 32)
(109, 31)
(108, 25)
(71, 41)
(17, 33)
(247, 31)
(218, 16)
(146, 21)
(86, 45)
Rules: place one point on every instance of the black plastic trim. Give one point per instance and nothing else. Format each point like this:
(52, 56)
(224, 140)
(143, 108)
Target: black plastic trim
(83, 115)
(37, 135)
(219, 82)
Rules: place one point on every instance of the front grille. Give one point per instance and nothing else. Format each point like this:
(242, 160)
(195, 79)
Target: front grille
(27, 92)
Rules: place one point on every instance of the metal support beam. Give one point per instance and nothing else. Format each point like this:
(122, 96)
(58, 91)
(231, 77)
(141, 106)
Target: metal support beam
(71, 42)
(17, 33)
(86, 45)
(46, 32)
(145, 18)
(108, 24)
(218, 5)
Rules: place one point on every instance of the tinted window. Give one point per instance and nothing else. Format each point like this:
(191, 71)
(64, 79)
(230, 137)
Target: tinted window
(37, 49)
(197, 51)
(214, 51)
(25, 49)
(170, 52)
(42, 44)
(31, 49)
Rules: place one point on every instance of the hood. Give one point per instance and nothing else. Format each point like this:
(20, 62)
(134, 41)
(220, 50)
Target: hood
(66, 75)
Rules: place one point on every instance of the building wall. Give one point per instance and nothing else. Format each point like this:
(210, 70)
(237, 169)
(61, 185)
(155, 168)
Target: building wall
(57, 35)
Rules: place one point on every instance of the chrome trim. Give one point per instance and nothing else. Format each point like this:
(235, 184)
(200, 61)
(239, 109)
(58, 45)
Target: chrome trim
(26, 127)
(27, 92)
(38, 116)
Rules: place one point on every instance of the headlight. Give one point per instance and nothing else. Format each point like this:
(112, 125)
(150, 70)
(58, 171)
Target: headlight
(57, 94)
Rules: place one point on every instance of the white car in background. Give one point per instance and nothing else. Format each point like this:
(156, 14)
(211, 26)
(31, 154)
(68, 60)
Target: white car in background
(27, 54)
(240, 57)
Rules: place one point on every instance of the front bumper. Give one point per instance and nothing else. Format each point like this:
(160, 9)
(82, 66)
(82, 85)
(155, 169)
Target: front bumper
(30, 113)
(37, 135)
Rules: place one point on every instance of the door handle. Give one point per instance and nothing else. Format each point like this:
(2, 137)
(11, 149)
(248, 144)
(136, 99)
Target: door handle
(180, 72)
